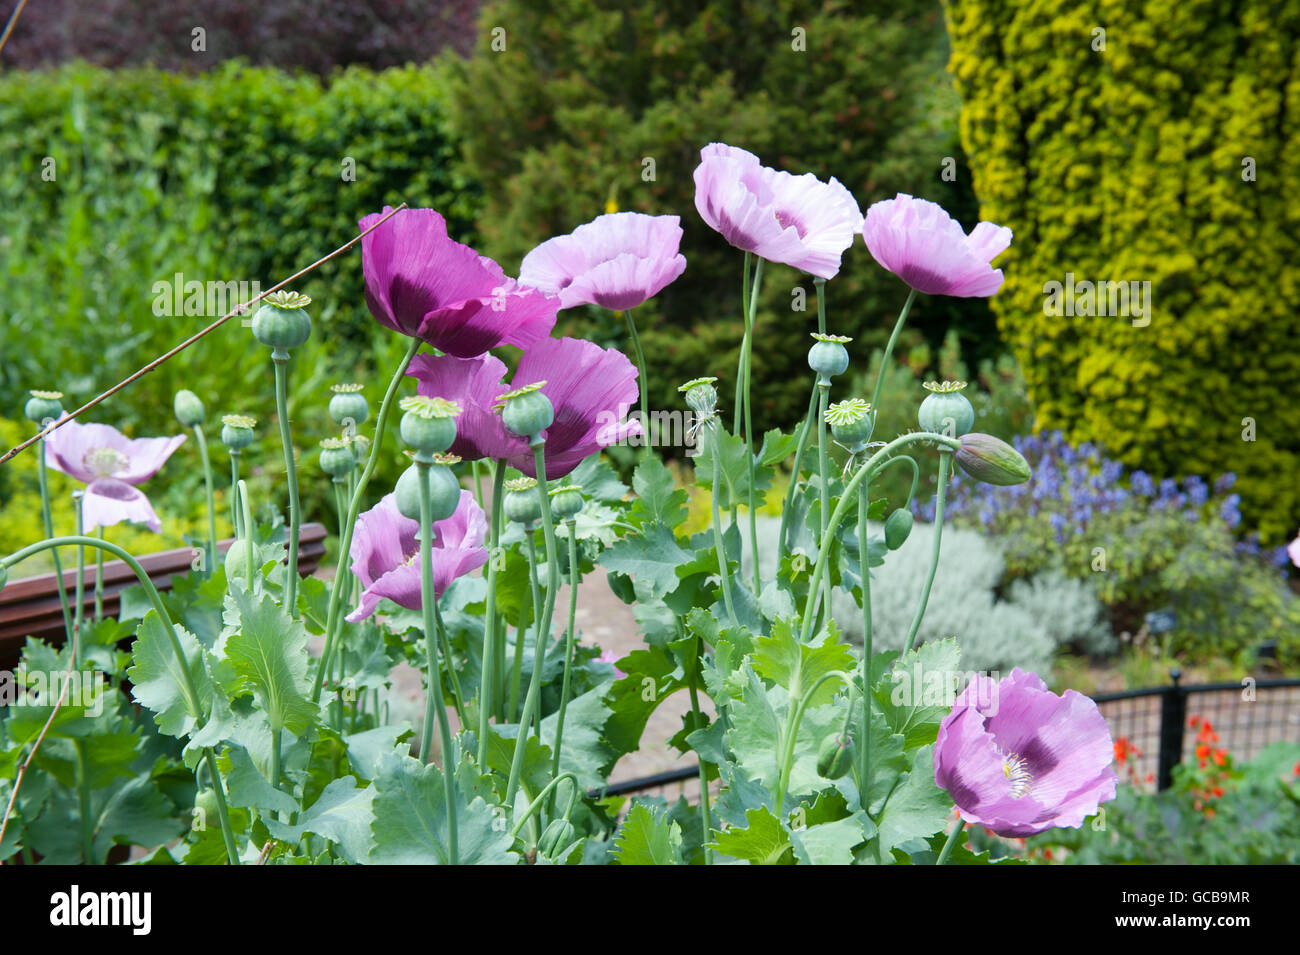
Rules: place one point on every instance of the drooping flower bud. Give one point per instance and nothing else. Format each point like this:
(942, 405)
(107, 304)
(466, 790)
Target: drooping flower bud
(336, 458)
(992, 460)
(898, 526)
(236, 562)
(429, 425)
(237, 431)
(44, 406)
(521, 504)
(282, 322)
(835, 756)
(946, 410)
(566, 501)
(189, 409)
(557, 837)
(828, 356)
(851, 423)
(526, 411)
(348, 406)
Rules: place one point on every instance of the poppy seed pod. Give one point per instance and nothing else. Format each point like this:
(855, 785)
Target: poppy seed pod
(521, 504)
(851, 423)
(237, 431)
(701, 397)
(282, 322)
(348, 405)
(44, 406)
(828, 356)
(946, 410)
(526, 411)
(566, 501)
(429, 424)
(188, 408)
(336, 458)
(444, 492)
(992, 460)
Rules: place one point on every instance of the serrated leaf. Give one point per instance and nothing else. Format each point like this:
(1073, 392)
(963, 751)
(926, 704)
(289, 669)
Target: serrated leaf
(136, 814)
(268, 654)
(342, 814)
(650, 559)
(781, 658)
(917, 808)
(157, 677)
(763, 841)
(584, 752)
(648, 838)
(916, 695)
(247, 788)
(658, 499)
(410, 825)
(828, 843)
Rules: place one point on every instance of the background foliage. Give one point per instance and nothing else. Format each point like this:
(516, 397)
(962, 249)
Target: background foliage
(1127, 164)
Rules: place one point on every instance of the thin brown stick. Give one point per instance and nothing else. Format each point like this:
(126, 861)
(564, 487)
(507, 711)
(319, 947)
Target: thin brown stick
(18, 779)
(13, 18)
(237, 310)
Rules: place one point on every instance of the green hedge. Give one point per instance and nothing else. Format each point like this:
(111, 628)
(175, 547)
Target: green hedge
(233, 175)
(1126, 164)
(584, 91)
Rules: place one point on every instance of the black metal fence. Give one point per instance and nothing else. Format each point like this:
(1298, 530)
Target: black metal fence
(1152, 723)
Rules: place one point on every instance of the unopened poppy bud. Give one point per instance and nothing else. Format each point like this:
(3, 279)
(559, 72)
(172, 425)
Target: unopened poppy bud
(526, 411)
(898, 526)
(188, 408)
(946, 410)
(992, 460)
(237, 431)
(282, 322)
(557, 837)
(835, 756)
(828, 356)
(44, 406)
(429, 425)
(521, 504)
(348, 405)
(237, 558)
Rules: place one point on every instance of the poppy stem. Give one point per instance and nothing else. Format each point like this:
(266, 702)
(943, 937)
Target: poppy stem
(47, 522)
(209, 564)
(642, 382)
(945, 462)
(795, 472)
(952, 841)
(569, 641)
(291, 475)
(889, 350)
(488, 680)
(864, 571)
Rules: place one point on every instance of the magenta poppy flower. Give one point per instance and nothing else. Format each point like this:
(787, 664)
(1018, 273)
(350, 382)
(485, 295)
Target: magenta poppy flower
(424, 284)
(110, 465)
(1019, 759)
(616, 261)
(796, 220)
(591, 389)
(928, 249)
(386, 548)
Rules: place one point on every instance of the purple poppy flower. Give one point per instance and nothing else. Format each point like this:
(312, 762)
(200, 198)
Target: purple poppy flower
(590, 387)
(424, 284)
(1019, 759)
(616, 261)
(925, 247)
(110, 464)
(797, 220)
(1293, 550)
(386, 548)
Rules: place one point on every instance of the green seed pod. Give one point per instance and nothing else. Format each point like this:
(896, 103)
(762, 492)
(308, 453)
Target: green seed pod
(828, 356)
(701, 397)
(946, 410)
(991, 460)
(237, 431)
(44, 406)
(521, 504)
(526, 411)
(835, 756)
(336, 458)
(556, 837)
(897, 526)
(348, 406)
(566, 501)
(429, 425)
(282, 322)
(206, 802)
(851, 423)
(444, 492)
(189, 409)
(236, 562)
